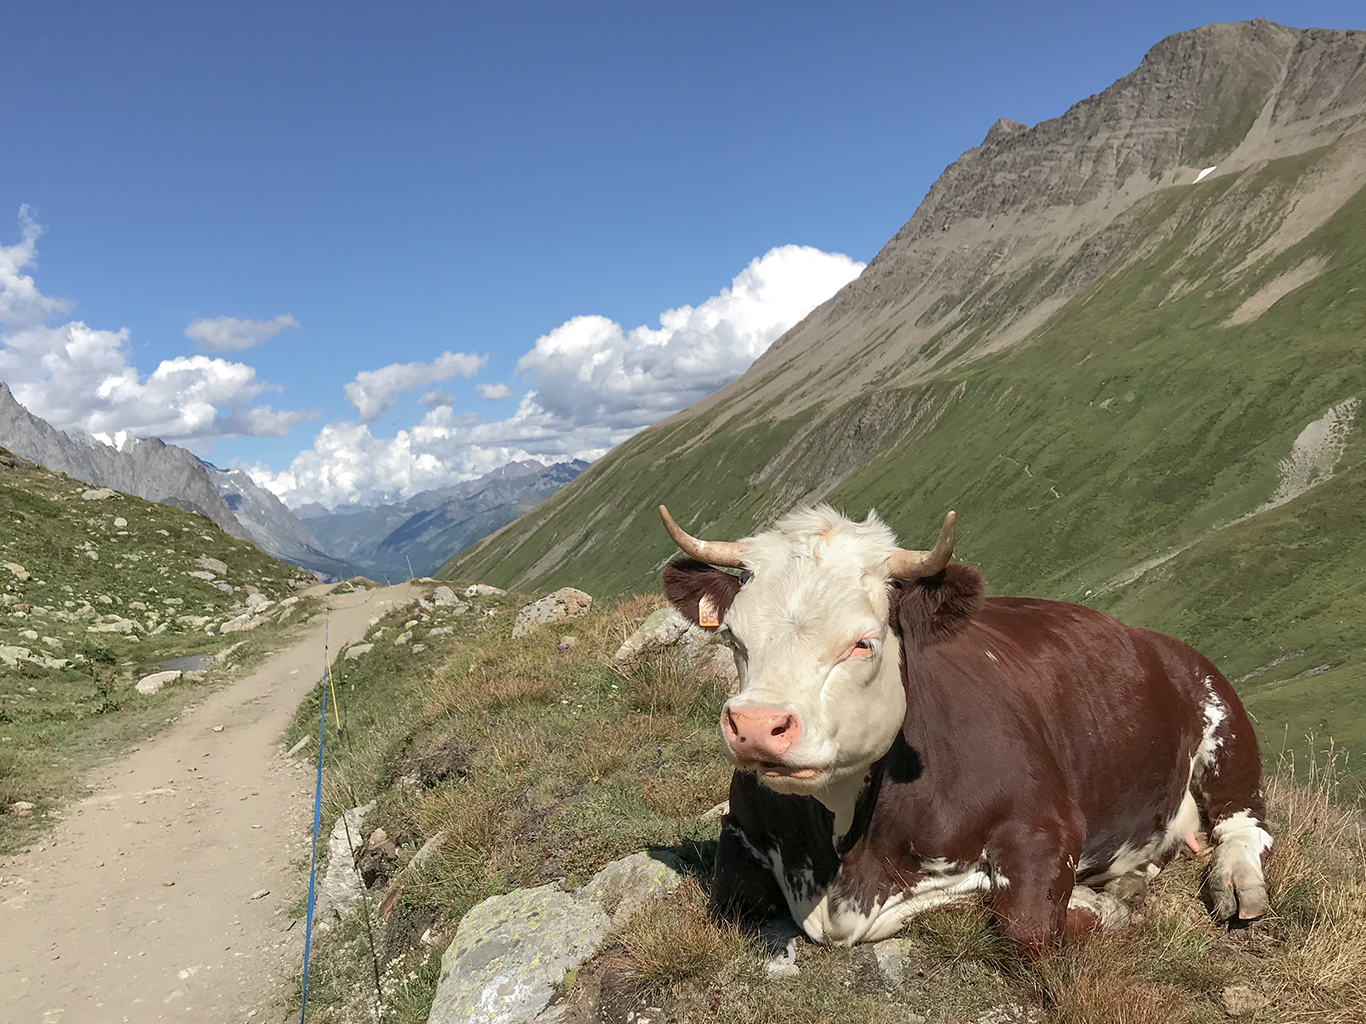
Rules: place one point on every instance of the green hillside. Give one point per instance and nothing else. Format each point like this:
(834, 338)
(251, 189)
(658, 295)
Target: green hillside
(96, 588)
(1135, 424)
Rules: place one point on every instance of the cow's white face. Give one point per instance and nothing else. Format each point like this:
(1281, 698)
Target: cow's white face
(812, 640)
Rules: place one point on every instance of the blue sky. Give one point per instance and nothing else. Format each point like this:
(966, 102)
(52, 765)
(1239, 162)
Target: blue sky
(410, 180)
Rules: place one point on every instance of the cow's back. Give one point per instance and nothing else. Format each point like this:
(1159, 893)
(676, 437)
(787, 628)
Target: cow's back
(1071, 697)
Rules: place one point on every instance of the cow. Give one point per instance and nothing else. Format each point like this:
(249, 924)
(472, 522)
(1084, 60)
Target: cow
(902, 741)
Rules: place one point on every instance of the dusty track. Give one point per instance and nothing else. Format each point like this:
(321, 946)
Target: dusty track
(139, 906)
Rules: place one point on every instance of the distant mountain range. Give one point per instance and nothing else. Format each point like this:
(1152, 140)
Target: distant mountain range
(430, 527)
(426, 530)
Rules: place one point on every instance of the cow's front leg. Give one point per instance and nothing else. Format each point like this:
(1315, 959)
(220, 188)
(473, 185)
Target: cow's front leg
(1033, 886)
(743, 889)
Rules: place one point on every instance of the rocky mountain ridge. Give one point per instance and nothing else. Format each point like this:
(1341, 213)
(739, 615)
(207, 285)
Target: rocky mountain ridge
(1110, 341)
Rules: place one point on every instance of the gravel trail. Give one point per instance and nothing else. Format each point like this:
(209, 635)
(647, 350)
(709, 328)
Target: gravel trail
(146, 902)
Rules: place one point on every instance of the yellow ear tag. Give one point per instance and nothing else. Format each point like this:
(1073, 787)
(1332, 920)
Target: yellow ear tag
(706, 612)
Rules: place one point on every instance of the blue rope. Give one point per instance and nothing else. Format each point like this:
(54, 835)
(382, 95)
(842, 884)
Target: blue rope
(317, 814)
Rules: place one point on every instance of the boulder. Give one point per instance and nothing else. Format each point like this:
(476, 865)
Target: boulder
(667, 629)
(11, 656)
(97, 494)
(565, 603)
(354, 653)
(21, 808)
(17, 570)
(512, 952)
(120, 522)
(213, 565)
(115, 624)
(152, 683)
(240, 623)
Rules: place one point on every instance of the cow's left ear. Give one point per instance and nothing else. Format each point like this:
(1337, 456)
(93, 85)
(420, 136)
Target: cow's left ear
(700, 591)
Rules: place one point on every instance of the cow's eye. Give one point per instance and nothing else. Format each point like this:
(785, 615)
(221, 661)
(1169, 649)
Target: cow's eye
(862, 649)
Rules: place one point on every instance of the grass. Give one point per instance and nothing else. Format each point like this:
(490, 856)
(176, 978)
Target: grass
(67, 697)
(533, 765)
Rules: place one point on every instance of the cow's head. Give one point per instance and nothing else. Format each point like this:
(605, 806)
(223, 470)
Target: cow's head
(820, 695)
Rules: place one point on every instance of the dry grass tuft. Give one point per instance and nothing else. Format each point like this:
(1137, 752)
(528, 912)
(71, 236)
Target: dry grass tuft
(675, 940)
(506, 690)
(1317, 876)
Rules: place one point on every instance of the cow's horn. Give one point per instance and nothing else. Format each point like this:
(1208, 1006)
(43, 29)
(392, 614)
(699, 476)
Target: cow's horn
(910, 565)
(714, 552)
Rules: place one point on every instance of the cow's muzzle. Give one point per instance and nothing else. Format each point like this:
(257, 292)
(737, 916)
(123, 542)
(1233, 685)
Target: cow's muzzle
(759, 735)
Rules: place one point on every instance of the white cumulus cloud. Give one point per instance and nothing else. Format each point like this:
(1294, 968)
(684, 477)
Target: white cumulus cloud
(374, 391)
(229, 334)
(592, 385)
(493, 392)
(80, 378)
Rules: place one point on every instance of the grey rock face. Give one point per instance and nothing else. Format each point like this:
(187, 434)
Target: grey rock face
(149, 468)
(511, 952)
(565, 603)
(274, 528)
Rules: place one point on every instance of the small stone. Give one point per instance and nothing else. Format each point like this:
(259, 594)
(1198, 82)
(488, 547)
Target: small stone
(1242, 999)
(259, 893)
(354, 653)
(21, 809)
(567, 642)
(217, 728)
(17, 570)
(120, 522)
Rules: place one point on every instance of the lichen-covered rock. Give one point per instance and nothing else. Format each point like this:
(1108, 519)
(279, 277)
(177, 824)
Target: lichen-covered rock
(665, 629)
(511, 952)
(565, 603)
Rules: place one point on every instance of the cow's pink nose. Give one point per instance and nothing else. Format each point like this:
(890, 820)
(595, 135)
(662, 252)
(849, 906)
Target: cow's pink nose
(760, 734)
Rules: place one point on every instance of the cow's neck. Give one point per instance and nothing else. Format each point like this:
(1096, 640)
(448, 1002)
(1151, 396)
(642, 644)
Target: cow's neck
(842, 799)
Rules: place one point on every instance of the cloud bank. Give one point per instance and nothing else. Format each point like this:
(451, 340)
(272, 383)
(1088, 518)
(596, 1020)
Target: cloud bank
(374, 391)
(591, 384)
(80, 378)
(229, 334)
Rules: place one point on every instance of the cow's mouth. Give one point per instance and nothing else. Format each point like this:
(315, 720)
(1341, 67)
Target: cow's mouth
(773, 770)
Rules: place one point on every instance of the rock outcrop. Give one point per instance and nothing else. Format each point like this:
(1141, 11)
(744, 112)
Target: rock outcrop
(511, 952)
(565, 603)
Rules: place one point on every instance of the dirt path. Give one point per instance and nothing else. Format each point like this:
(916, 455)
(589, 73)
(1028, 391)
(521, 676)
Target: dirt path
(139, 906)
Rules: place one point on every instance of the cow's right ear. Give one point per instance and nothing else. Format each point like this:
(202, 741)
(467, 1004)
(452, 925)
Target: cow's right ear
(700, 591)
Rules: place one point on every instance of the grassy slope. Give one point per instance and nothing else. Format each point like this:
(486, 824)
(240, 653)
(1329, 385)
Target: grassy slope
(56, 721)
(534, 765)
(1133, 423)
